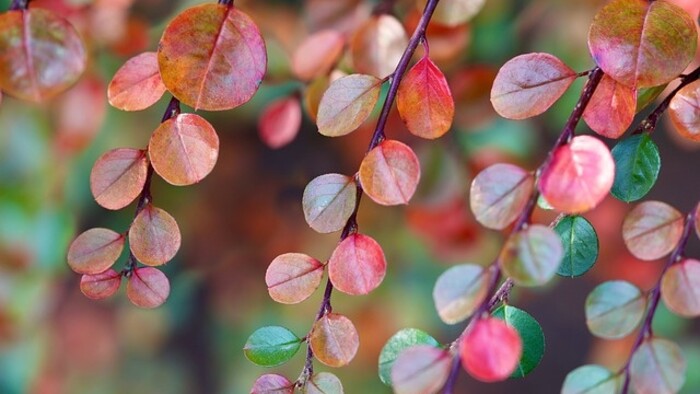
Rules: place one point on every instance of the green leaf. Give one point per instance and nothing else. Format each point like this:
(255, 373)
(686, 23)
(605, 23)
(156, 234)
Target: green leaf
(637, 165)
(271, 346)
(590, 379)
(531, 334)
(399, 342)
(580, 245)
(646, 96)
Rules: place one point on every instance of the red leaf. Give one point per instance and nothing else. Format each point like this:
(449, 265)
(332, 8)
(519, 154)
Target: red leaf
(147, 287)
(154, 237)
(137, 84)
(102, 285)
(95, 250)
(611, 109)
(279, 122)
(357, 265)
(491, 350)
(684, 111)
(420, 369)
(390, 172)
(292, 277)
(118, 177)
(334, 340)
(272, 383)
(652, 229)
(317, 54)
(680, 288)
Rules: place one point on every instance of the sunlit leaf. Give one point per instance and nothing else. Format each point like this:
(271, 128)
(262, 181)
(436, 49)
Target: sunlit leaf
(390, 172)
(532, 256)
(279, 122)
(377, 45)
(323, 383)
(402, 340)
(579, 176)
(641, 43)
(329, 201)
(657, 367)
(420, 369)
(102, 285)
(424, 100)
(317, 54)
(637, 165)
(611, 109)
(184, 149)
(212, 57)
(154, 237)
(334, 340)
(499, 194)
(118, 177)
(271, 346)
(684, 111)
(531, 334)
(272, 383)
(491, 350)
(459, 291)
(614, 309)
(454, 12)
(347, 103)
(137, 84)
(42, 54)
(680, 288)
(590, 379)
(529, 84)
(580, 243)
(293, 277)
(95, 250)
(147, 287)
(652, 229)
(357, 265)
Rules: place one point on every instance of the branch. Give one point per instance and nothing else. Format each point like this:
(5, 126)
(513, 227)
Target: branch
(17, 5)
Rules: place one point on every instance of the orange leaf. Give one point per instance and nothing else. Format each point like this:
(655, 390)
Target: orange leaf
(102, 285)
(390, 172)
(652, 229)
(147, 287)
(334, 340)
(611, 109)
(684, 110)
(292, 277)
(137, 84)
(154, 237)
(95, 250)
(118, 177)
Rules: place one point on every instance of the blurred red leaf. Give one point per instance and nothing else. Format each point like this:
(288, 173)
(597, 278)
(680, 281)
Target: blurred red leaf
(491, 350)
(390, 172)
(293, 277)
(652, 229)
(95, 250)
(147, 287)
(420, 369)
(317, 54)
(118, 177)
(334, 340)
(684, 111)
(454, 12)
(80, 113)
(357, 265)
(137, 84)
(532, 256)
(102, 285)
(279, 122)
(377, 45)
(154, 237)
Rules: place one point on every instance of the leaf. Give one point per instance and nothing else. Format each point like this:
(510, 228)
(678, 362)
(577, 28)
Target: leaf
(147, 287)
(532, 256)
(459, 291)
(317, 54)
(646, 96)
(271, 346)
(95, 250)
(680, 288)
(420, 369)
(652, 229)
(614, 309)
(591, 379)
(184, 149)
(424, 100)
(684, 111)
(402, 340)
(42, 54)
(527, 85)
(272, 383)
(454, 12)
(611, 109)
(102, 285)
(334, 340)
(137, 84)
(293, 277)
(313, 93)
(329, 201)
(389, 173)
(657, 367)
(279, 122)
(118, 177)
(490, 350)
(357, 265)
(580, 243)
(377, 45)
(323, 383)
(641, 43)
(579, 176)
(212, 57)
(154, 237)
(637, 165)
(531, 334)
(499, 194)
(347, 103)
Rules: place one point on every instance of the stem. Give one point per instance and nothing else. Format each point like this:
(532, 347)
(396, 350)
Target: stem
(17, 5)
(227, 3)
(646, 330)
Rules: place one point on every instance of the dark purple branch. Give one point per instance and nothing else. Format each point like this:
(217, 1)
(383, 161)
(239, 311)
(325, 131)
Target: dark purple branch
(17, 5)
(228, 3)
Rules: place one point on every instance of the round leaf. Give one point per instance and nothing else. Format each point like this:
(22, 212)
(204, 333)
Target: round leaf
(684, 110)
(212, 57)
(347, 103)
(529, 84)
(279, 122)
(420, 369)
(637, 165)
(579, 176)
(323, 383)
(531, 334)
(454, 12)
(271, 346)
(184, 149)
(611, 109)
(491, 350)
(42, 54)
(459, 291)
(329, 201)
(590, 379)
(118, 177)
(641, 43)
(334, 340)
(680, 288)
(389, 173)
(137, 84)
(95, 250)
(652, 229)
(293, 277)
(102, 285)
(317, 54)
(154, 237)
(499, 194)
(580, 243)
(614, 309)
(402, 340)
(657, 367)
(357, 265)
(272, 383)
(377, 45)
(532, 256)
(147, 287)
